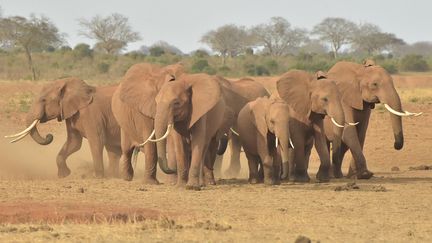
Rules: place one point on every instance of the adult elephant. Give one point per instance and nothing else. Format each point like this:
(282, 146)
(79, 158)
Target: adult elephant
(237, 94)
(310, 99)
(87, 113)
(194, 106)
(134, 108)
(361, 87)
(263, 124)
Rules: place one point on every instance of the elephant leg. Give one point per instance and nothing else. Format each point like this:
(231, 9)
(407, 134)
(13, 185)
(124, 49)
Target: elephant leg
(300, 170)
(182, 157)
(150, 164)
(96, 148)
(198, 148)
(358, 168)
(210, 158)
(337, 163)
(277, 166)
(350, 138)
(114, 153)
(253, 162)
(127, 171)
(323, 152)
(72, 144)
(286, 166)
(234, 166)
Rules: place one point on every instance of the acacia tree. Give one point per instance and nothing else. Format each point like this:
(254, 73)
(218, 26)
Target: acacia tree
(228, 40)
(277, 36)
(32, 34)
(336, 31)
(369, 38)
(112, 33)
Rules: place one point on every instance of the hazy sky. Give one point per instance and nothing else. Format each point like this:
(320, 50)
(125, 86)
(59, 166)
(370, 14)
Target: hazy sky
(182, 23)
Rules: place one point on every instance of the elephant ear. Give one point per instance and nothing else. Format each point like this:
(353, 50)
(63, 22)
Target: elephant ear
(206, 93)
(351, 93)
(75, 94)
(142, 82)
(259, 108)
(294, 88)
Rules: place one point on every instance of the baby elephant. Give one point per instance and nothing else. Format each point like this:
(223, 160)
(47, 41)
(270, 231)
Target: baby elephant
(263, 124)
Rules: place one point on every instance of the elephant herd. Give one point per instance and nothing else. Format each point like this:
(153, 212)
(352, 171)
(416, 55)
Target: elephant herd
(183, 121)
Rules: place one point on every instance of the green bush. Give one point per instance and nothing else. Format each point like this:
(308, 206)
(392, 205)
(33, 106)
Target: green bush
(390, 67)
(313, 66)
(259, 70)
(414, 63)
(82, 50)
(156, 51)
(199, 66)
(103, 67)
(200, 53)
(272, 65)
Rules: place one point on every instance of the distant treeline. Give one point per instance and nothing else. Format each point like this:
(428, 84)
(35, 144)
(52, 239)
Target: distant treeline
(34, 48)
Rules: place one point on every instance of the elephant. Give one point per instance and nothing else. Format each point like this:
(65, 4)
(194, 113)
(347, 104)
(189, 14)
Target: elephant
(237, 93)
(262, 125)
(134, 108)
(310, 99)
(87, 113)
(361, 87)
(194, 106)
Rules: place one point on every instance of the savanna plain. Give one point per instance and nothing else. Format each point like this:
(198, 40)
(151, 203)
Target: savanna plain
(394, 206)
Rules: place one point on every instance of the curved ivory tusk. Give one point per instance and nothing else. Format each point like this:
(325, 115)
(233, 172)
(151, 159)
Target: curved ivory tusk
(164, 136)
(352, 123)
(25, 131)
(413, 114)
(335, 122)
(148, 139)
(398, 113)
(277, 141)
(291, 143)
(233, 131)
(19, 138)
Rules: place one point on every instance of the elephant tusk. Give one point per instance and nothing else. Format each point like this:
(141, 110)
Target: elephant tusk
(413, 114)
(352, 123)
(148, 139)
(164, 136)
(277, 141)
(19, 138)
(291, 143)
(398, 113)
(335, 123)
(25, 131)
(233, 131)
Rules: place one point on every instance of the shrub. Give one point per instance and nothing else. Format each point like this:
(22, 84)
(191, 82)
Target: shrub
(103, 67)
(390, 67)
(156, 51)
(313, 66)
(200, 53)
(272, 65)
(82, 50)
(199, 66)
(253, 70)
(415, 63)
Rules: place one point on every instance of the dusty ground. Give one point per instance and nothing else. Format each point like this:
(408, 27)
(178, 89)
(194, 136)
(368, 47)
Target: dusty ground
(395, 206)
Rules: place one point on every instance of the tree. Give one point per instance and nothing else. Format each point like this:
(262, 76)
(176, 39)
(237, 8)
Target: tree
(277, 36)
(369, 38)
(112, 33)
(167, 48)
(336, 31)
(228, 40)
(32, 34)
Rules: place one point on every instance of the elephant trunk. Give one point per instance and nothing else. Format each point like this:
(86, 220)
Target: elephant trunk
(336, 112)
(37, 113)
(283, 135)
(222, 146)
(161, 127)
(394, 102)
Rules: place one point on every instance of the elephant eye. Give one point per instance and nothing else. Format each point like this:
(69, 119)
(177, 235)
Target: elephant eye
(325, 99)
(176, 103)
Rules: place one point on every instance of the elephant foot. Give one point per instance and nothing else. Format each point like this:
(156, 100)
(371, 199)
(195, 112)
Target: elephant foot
(337, 172)
(150, 181)
(171, 179)
(254, 180)
(209, 179)
(99, 174)
(193, 187)
(113, 173)
(62, 173)
(365, 175)
(302, 177)
(128, 174)
(271, 182)
(323, 175)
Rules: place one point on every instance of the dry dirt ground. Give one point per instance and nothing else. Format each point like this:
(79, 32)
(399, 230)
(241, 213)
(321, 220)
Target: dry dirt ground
(394, 206)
